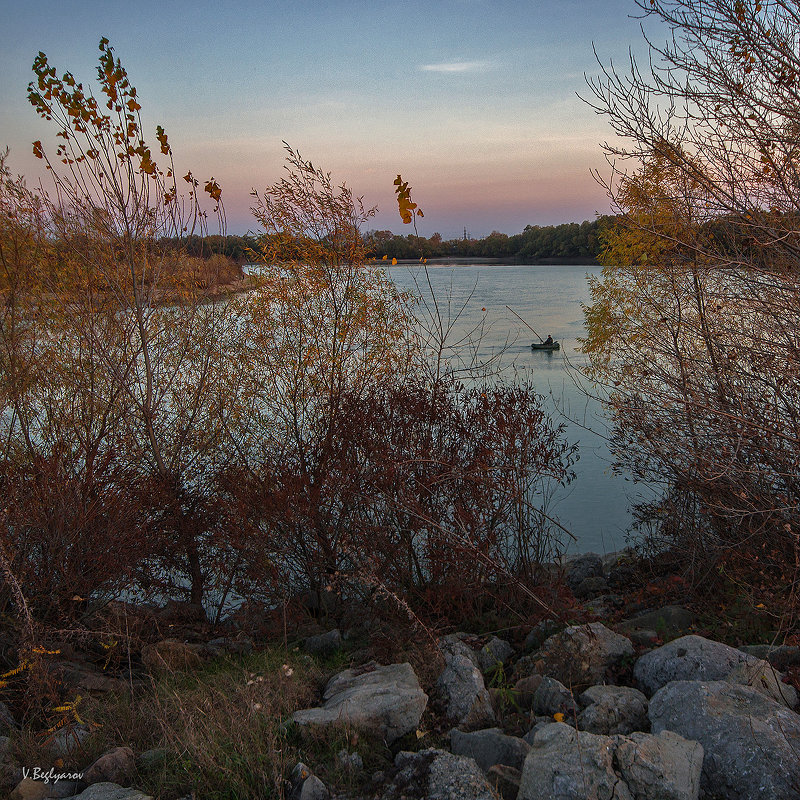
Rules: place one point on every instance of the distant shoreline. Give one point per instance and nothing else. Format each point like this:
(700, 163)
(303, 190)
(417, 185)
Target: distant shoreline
(456, 261)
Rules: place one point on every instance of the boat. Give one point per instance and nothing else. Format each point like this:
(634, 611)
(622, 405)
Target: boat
(543, 346)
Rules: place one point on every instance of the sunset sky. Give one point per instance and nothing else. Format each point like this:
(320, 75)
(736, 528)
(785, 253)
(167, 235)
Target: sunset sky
(473, 101)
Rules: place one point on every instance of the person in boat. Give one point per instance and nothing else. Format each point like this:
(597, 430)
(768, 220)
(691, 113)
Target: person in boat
(548, 340)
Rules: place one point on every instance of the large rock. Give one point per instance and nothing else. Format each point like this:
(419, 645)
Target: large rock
(438, 775)
(565, 764)
(170, 655)
(694, 658)
(111, 791)
(613, 709)
(668, 622)
(484, 655)
(662, 767)
(780, 656)
(588, 565)
(464, 692)
(489, 747)
(384, 701)
(552, 697)
(751, 742)
(304, 785)
(323, 644)
(115, 766)
(581, 655)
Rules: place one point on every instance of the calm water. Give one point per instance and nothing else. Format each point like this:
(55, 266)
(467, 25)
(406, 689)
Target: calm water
(595, 506)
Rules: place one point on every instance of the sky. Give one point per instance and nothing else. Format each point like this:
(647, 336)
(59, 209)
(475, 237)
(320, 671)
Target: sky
(474, 102)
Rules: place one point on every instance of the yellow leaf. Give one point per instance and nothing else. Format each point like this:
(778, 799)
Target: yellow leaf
(558, 716)
(394, 261)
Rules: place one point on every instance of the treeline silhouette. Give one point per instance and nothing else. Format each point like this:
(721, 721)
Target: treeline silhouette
(537, 243)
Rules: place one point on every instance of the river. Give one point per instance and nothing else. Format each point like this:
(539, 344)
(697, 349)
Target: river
(595, 507)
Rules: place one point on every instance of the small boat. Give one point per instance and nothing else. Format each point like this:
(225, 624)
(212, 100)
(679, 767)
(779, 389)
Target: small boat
(543, 346)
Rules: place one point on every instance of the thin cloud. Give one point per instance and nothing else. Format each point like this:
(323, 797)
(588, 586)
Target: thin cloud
(456, 66)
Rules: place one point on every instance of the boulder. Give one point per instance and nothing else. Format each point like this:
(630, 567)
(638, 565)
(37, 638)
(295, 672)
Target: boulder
(581, 655)
(578, 569)
(489, 747)
(613, 709)
(304, 785)
(751, 742)
(69, 740)
(323, 644)
(438, 775)
(694, 658)
(525, 690)
(110, 791)
(667, 622)
(495, 651)
(462, 688)
(780, 656)
(552, 697)
(226, 645)
(385, 701)
(115, 766)
(662, 767)
(565, 764)
(170, 655)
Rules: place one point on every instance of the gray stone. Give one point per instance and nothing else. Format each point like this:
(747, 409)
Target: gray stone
(751, 742)
(588, 565)
(591, 587)
(540, 631)
(111, 791)
(151, 760)
(525, 690)
(304, 785)
(438, 775)
(780, 656)
(385, 701)
(613, 709)
(581, 655)
(495, 651)
(115, 766)
(552, 697)
(668, 621)
(662, 767)
(489, 747)
(29, 789)
(225, 645)
(694, 658)
(351, 762)
(69, 740)
(467, 701)
(323, 644)
(565, 764)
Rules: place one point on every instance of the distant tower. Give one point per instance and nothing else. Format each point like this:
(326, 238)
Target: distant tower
(465, 233)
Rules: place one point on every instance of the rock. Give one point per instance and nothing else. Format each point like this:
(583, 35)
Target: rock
(613, 709)
(170, 655)
(495, 652)
(581, 655)
(28, 789)
(111, 791)
(115, 766)
(225, 645)
(662, 767)
(464, 692)
(540, 631)
(525, 689)
(644, 638)
(69, 740)
(552, 697)
(751, 742)
(781, 657)
(694, 658)
(304, 785)
(351, 762)
(667, 622)
(565, 764)
(590, 587)
(504, 780)
(438, 775)
(323, 644)
(85, 678)
(489, 747)
(588, 565)
(181, 612)
(386, 701)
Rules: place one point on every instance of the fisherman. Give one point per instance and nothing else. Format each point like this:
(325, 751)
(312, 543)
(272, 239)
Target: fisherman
(548, 340)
